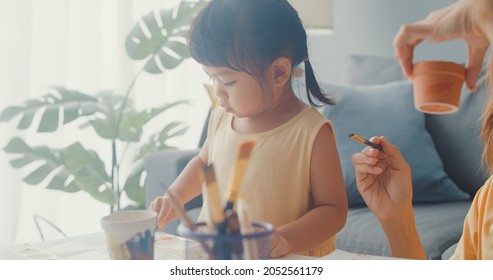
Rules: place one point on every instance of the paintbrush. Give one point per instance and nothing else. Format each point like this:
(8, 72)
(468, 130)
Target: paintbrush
(244, 150)
(220, 248)
(188, 222)
(364, 141)
(214, 199)
(184, 216)
(211, 227)
(250, 247)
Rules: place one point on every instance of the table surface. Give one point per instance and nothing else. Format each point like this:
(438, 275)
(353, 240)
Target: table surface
(93, 247)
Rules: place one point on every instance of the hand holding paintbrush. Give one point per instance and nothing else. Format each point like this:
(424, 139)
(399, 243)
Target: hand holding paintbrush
(188, 222)
(362, 140)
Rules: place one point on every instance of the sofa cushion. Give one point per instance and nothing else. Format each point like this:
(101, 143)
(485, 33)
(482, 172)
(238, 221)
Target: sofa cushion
(388, 110)
(449, 252)
(439, 226)
(457, 140)
(370, 70)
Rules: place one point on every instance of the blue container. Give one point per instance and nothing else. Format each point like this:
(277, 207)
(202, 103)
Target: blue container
(202, 244)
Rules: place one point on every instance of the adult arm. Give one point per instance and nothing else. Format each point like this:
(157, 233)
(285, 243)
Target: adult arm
(383, 179)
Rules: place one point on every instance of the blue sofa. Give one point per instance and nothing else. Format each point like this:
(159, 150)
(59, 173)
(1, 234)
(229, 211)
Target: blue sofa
(373, 98)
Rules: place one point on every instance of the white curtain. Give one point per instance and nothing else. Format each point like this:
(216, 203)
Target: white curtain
(78, 44)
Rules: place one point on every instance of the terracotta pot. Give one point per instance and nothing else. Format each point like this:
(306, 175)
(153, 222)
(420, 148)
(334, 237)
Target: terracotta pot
(437, 86)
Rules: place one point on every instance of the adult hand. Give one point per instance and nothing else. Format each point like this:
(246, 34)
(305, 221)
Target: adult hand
(164, 207)
(466, 19)
(383, 179)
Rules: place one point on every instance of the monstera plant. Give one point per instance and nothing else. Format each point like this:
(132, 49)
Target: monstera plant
(112, 116)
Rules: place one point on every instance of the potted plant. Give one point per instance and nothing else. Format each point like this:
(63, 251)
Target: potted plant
(112, 116)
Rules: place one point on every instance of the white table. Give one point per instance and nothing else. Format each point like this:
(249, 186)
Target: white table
(93, 247)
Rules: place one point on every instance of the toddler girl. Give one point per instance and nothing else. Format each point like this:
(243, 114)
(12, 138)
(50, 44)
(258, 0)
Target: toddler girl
(294, 181)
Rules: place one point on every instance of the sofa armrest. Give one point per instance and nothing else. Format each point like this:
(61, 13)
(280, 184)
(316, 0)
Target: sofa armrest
(449, 252)
(162, 169)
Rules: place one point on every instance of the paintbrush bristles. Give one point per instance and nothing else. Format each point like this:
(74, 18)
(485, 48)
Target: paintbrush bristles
(213, 196)
(364, 141)
(357, 138)
(246, 148)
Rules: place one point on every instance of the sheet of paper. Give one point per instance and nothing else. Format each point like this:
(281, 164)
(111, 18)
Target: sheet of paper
(89, 247)
(343, 255)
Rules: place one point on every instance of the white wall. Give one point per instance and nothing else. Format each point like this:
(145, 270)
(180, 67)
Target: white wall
(369, 27)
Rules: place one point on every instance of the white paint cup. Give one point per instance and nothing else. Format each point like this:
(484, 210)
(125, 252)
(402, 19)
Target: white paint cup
(130, 234)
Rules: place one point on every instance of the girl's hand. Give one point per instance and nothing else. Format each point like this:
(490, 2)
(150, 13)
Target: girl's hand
(166, 212)
(279, 246)
(383, 179)
(466, 19)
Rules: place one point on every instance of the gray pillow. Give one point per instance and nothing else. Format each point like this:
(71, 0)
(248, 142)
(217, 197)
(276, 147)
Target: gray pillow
(456, 137)
(370, 70)
(388, 110)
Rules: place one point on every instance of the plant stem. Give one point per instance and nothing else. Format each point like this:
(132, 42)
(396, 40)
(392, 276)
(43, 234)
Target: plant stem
(115, 182)
(124, 103)
(115, 185)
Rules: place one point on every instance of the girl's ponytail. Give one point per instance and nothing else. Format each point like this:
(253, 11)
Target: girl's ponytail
(312, 87)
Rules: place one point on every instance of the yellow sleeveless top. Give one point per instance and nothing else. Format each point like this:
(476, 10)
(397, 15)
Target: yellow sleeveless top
(277, 182)
(476, 242)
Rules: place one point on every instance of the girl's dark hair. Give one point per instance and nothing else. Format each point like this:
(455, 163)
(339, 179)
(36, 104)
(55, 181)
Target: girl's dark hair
(248, 35)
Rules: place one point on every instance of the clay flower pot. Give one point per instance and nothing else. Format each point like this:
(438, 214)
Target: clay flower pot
(437, 86)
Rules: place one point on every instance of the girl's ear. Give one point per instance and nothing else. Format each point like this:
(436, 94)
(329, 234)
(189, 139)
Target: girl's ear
(281, 71)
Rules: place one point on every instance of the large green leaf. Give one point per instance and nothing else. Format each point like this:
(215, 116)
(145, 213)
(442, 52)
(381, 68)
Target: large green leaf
(61, 106)
(51, 164)
(89, 172)
(105, 122)
(71, 169)
(157, 141)
(132, 121)
(160, 37)
(134, 186)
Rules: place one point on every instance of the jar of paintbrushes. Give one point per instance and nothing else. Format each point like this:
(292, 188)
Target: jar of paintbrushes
(229, 233)
(206, 245)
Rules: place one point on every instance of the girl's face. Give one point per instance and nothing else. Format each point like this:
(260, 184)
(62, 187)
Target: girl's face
(238, 92)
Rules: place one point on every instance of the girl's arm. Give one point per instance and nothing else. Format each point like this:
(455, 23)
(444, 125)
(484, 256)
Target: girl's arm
(329, 202)
(186, 186)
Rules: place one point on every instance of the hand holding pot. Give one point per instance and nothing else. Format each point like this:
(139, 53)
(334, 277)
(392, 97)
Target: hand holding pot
(437, 86)
(467, 19)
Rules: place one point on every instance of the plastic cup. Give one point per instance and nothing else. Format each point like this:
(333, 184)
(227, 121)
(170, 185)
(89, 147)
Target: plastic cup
(130, 234)
(201, 244)
(437, 86)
